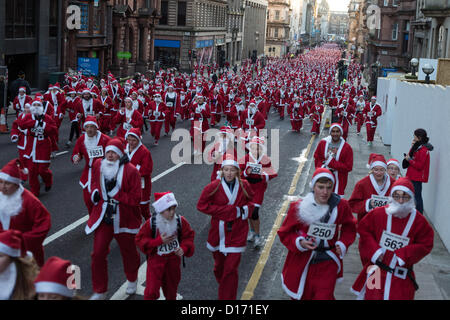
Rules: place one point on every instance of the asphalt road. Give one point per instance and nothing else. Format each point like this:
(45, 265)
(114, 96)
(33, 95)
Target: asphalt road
(65, 203)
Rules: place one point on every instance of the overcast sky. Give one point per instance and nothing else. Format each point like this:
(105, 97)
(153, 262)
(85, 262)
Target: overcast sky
(338, 5)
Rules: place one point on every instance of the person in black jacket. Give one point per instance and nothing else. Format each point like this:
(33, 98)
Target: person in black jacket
(16, 84)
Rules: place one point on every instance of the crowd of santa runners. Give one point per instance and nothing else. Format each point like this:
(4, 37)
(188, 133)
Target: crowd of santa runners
(107, 123)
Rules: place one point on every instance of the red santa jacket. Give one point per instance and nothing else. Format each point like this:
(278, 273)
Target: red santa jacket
(56, 100)
(19, 102)
(363, 191)
(371, 113)
(371, 228)
(73, 107)
(117, 94)
(296, 111)
(202, 114)
(127, 120)
(340, 166)
(90, 107)
(419, 165)
(216, 103)
(39, 135)
(345, 114)
(141, 158)
(249, 121)
(156, 112)
(18, 134)
(171, 101)
(127, 192)
(229, 227)
(293, 230)
(89, 152)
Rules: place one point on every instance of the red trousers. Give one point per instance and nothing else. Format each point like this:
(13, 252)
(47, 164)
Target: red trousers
(162, 272)
(170, 120)
(359, 121)
(36, 170)
(155, 129)
(103, 236)
(345, 126)
(226, 272)
(296, 125)
(215, 118)
(315, 127)
(87, 200)
(370, 132)
(281, 110)
(320, 281)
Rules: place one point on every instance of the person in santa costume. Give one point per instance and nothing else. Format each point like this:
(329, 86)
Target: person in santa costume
(251, 118)
(19, 136)
(21, 210)
(371, 113)
(345, 113)
(17, 268)
(256, 168)
(56, 98)
(216, 103)
(393, 168)
(393, 238)
(200, 114)
(20, 101)
(141, 158)
(221, 149)
(315, 115)
(90, 146)
(116, 194)
(317, 231)
(54, 281)
(73, 106)
(128, 118)
(359, 116)
(335, 154)
(41, 132)
(296, 113)
(156, 112)
(372, 191)
(171, 100)
(165, 239)
(106, 125)
(228, 201)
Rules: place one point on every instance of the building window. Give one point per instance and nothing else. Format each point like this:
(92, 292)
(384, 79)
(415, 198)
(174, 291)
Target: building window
(276, 32)
(53, 19)
(181, 17)
(395, 31)
(386, 3)
(277, 15)
(395, 3)
(20, 19)
(84, 7)
(164, 12)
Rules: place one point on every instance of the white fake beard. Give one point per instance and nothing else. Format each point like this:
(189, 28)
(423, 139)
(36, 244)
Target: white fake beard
(91, 141)
(109, 169)
(165, 226)
(310, 211)
(10, 206)
(400, 210)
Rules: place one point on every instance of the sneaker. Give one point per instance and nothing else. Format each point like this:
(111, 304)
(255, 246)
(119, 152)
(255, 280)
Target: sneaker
(258, 241)
(98, 296)
(47, 189)
(131, 288)
(251, 236)
(68, 144)
(369, 143)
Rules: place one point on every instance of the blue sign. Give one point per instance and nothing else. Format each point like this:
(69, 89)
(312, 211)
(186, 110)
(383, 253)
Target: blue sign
(388, 70)
(88, 66)
(204, 43)
(167, 43)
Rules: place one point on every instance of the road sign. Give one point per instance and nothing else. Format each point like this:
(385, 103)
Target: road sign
(88, 66)
(124, 55)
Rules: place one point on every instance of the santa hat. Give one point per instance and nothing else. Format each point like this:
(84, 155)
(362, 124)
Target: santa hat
(71, 91)
(11, 171)
(229, 161)
(135, 132)
(86, 90)
(54, 276)
(252, 102)
(115, 145)
(376, 160)
(105, 89)
(373, 98)
(259, 141)
(90, 120)
(321, 173)
(157, 94)
(37, 101)
(336, 125)
(128, 98)
(163, 201)
(12, 243)
(393, 161)
(403, 184)
(23, 89)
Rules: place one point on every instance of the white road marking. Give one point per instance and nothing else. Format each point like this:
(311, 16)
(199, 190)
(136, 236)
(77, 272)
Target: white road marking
(82, 220)
(61, 153)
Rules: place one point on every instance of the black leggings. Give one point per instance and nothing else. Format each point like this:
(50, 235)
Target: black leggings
(74, 128)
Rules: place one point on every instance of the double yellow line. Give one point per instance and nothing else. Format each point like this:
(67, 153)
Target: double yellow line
(256, 275)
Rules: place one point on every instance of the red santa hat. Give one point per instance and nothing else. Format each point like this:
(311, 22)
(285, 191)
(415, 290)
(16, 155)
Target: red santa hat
(376, 160)
(321, 173)
(23, 89)
(252, 101)
(338, 125)
(403, 184)
(128, 98)
(259, 141)
(12, 243)
(105, 89)
(115, 145)
(163, 201)
(90, 120)
(71, 91)
(54, 276)
(11, 171)
(230, 160)
(135, 132)
(393, 161)
(157, 94)
(86, 90)
(373, 98)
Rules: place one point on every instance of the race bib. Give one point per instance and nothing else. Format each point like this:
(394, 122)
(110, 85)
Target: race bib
(249, 122)
(322, 231)
(156, 114)
(369, 114)
(96, 152)
(168, 247)
(256, 168)
(169, 104)
(127, 126)
(379, 201)
(89, 113)
(391, 241)
(38, 131)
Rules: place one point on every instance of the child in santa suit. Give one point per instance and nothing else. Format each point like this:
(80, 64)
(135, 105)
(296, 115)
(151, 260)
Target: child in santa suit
(317, 232)
(165, 238)
(371, 191)
(392, 240)
(228, 201)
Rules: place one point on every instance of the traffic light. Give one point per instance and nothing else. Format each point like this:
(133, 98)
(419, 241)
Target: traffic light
(190, 54)
(194, 54)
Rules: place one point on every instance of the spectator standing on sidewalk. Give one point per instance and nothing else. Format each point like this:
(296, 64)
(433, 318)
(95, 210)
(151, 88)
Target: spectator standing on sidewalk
(417, 163)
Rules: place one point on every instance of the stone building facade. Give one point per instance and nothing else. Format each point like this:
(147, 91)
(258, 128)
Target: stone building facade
(278, 27)
(255, 24)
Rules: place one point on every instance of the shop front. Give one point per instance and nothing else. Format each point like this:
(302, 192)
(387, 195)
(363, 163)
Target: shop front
(167, 53)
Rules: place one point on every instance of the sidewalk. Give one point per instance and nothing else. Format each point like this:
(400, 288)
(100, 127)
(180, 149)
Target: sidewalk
(432, 273)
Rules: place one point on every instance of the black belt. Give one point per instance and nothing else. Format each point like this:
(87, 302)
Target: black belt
(324, 249)
(399, 272)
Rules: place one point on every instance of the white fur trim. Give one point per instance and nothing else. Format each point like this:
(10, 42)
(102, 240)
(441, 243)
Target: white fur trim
(115, 149)
(53, 287)
(343, 248)
(90, 122)
(9, 251)
(367, 205)
(245, 215)
(230, 163)
(378, 164)
(376, 255)
(298, 245)
(7, 177)
(402, 188)
(401, 263)
(321, 175)
(165, 202)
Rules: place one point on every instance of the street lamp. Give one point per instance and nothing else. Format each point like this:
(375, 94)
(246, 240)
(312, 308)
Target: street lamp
(427, 69)
(414, 63)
